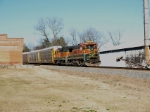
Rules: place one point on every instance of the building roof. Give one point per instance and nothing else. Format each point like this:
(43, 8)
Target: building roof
(128, 45)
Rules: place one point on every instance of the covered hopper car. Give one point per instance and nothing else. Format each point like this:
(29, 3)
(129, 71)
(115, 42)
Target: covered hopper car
(84, 54)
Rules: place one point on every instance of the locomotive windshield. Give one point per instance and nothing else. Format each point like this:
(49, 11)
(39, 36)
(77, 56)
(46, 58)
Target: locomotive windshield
(92, 47)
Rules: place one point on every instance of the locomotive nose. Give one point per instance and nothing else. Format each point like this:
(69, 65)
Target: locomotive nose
(92, 53)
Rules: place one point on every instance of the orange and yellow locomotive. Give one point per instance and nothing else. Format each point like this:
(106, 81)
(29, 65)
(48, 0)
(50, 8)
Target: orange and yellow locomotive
(84, 54)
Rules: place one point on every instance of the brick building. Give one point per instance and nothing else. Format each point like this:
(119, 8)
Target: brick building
(10, 50)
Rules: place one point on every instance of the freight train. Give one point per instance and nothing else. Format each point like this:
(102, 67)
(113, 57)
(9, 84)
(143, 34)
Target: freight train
(84, 54)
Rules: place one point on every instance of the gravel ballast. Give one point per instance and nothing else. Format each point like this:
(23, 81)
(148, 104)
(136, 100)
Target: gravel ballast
(131, 73)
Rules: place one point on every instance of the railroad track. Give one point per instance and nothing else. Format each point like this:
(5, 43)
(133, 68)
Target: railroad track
(124, 68)
(110, 67)
(131, 72)
(105, 67)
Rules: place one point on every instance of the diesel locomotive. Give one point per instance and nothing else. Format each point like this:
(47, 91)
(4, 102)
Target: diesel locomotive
(84, 54)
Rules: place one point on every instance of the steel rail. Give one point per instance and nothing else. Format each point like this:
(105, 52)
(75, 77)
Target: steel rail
(105, 67)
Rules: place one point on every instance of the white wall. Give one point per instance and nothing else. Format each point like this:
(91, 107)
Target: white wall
(109, 59)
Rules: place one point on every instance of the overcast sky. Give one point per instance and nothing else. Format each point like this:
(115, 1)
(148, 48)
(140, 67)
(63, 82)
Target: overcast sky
(18, 17)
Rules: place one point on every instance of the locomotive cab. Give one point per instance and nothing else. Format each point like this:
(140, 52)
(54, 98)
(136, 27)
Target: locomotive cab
(91, 54)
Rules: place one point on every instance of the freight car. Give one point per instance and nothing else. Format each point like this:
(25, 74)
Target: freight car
(25, 58)
(42, 56)
(84, 54)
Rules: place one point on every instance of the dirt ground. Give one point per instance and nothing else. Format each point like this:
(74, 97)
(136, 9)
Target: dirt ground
(42, 90)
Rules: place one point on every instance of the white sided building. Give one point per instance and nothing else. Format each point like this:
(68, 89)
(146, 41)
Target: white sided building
(132, 51)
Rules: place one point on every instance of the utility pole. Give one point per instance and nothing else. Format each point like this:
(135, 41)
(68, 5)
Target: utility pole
(146, 38)
(146, 31)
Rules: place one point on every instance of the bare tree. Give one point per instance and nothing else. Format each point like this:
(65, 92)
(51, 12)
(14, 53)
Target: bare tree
(56, 25)
(92, 34)
(115, 37)
(41, 27)
(73, 32)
